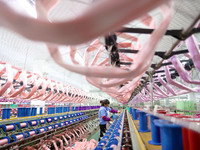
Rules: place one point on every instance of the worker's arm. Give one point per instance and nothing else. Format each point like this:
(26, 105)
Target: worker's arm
(113, 111)
(103, 115)
(105, 118)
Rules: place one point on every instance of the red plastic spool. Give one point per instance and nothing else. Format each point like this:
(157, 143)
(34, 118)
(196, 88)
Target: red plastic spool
(191, 138)
(161, 111)
(173, 115)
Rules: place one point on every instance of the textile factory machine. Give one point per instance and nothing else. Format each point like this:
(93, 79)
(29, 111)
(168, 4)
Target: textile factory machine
(26, 132)
(64, 131)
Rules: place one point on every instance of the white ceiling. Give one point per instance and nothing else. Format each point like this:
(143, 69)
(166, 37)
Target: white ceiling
(33, 56)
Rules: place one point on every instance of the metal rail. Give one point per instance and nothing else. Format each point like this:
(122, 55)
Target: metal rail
(178, 34)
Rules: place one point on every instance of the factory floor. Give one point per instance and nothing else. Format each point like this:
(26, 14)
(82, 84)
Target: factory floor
(95, 136)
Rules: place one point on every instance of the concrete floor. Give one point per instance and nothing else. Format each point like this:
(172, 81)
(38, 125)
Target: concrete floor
(95, 136)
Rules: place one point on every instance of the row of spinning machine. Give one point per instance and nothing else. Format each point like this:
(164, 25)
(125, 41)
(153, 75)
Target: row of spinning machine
(15, 132)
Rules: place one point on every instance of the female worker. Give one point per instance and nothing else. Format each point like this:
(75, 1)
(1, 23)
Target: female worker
(103, 116)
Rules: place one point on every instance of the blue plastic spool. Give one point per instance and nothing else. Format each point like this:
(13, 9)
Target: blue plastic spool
(105, 137)
(41, 121)
(19, 124)
(112, 127)
(53, 110)
(143, 122)
(112, 141)
(111, 130)
(40, 110)
(55, 118)
(102, 143)
(47, 128)
(19, 112)
(130, 110)
(67, 122)
(171, 135)
(116, 133)
(29, 112)
(15, 138)
(108, 133)
(28, 134)
(39, 130)
(60, 117)
(134, 114)
(155, 132)
(71, 121)
(6, 137)
(62, 124)
(118, 127)
(48, 110)
(49, 120)
(3, 126)
(109, 148)
(64, 109)
(52, 126)
(98, 148)
(6, 113)
(57, 109)
(56, 125)
(24, 112)
(33, 111)
(31, 122)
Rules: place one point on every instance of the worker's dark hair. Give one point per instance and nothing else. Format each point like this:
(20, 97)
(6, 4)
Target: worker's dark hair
(104, 102)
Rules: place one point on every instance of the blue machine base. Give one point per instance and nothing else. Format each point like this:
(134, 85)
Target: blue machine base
(153, 143)
(143, 130)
